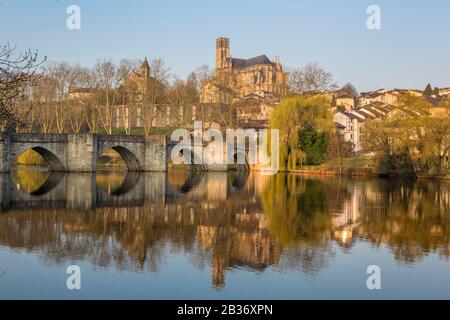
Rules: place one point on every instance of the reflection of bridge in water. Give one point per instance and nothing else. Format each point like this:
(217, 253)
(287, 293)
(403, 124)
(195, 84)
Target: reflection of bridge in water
(80, 191)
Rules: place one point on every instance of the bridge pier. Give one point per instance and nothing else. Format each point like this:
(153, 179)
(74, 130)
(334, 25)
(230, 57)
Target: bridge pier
(81, 152)
(5, 141)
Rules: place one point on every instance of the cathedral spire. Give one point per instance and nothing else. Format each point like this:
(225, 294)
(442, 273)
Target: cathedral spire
(145, 68)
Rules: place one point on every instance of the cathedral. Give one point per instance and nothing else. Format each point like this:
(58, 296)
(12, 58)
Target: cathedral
(244, 76)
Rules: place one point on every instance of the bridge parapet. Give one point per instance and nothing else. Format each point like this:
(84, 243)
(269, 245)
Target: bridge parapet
(39, 137)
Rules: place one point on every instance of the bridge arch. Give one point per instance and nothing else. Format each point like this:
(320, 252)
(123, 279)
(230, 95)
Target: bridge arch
(131, 160)
(53, 161)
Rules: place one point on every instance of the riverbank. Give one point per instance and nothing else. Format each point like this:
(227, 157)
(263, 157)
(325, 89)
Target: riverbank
(352, 167)
(356, 167)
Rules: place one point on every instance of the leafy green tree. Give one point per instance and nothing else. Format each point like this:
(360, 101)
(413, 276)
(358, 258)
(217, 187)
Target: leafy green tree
(341, 108)
(314, 144)
(436, 91)
(428, 90)
(293, 116)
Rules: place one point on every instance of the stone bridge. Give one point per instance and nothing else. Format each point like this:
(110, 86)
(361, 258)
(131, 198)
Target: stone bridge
(79, 152)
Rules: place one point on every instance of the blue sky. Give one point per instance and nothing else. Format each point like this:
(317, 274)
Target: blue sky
(411, 49)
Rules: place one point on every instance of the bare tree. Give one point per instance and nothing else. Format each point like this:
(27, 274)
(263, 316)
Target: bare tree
(128, 107)
(92, 102)
(44, 100)
(147, 116)
(65, 77)
(182, 95)
(160, 73)
(18, 72)
(77, 106)
(310, 79)
(350, 89)
(107, 79)
(203, 74)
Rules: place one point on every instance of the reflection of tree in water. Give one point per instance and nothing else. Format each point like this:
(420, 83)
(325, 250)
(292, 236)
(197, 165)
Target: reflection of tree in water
(299, 217)
(413, 218)
(29, 180)
(297, 209)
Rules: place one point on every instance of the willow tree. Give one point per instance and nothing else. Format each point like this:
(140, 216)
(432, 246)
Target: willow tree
(292, 117)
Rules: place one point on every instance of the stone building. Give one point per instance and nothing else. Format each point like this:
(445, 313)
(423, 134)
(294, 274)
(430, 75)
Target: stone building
(343, 99)
(214, 93)
(255, 109)
(142, 87)
(82, 94)
(246, 76)
(386, 96)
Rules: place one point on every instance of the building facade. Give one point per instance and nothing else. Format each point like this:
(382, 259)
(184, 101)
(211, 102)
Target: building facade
(214, 93)
(246, 76)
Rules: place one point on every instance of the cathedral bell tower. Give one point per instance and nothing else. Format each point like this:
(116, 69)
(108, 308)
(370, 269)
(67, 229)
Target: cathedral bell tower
(223, 58)
(223, 61)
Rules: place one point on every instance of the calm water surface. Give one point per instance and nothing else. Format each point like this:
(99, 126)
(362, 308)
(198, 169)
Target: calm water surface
(186, 235)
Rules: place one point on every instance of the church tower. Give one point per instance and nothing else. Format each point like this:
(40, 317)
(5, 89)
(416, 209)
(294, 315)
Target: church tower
(223, 61)
(223, 57)
(145, 69)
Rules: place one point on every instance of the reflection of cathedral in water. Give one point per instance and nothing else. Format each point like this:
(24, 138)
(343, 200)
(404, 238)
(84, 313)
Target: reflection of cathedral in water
(227, 221)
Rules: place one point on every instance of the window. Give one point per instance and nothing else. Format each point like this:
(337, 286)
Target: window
(118, 118)
(127, 118)
(138, 117)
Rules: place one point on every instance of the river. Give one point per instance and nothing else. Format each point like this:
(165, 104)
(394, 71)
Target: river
(188, 235)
